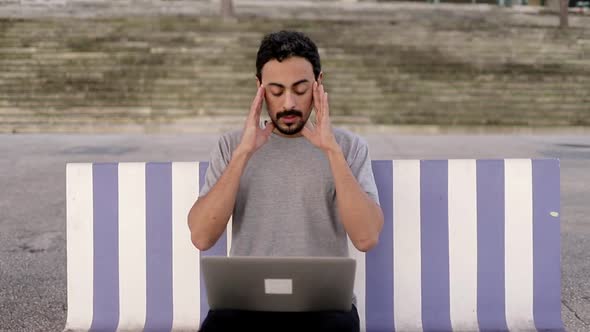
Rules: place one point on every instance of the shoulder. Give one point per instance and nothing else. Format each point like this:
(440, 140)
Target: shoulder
(225, 146)
(348, 140)
(232, 135)
(229, 140)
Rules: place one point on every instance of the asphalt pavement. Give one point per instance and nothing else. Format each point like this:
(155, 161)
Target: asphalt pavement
(33, 223)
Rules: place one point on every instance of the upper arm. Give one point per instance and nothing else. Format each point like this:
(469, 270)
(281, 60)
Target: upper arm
(362, 169)
(218, 161)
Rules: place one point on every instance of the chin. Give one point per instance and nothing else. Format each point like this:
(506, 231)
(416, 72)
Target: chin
(292, 130)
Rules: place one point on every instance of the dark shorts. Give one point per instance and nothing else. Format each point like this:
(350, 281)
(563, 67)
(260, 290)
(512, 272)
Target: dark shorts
(240, 320)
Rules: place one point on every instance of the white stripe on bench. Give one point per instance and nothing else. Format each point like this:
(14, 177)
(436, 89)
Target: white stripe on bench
(132, 246)
(79, 237)
(407, 275)
(463, 244)
(518, 254)
(186, 272)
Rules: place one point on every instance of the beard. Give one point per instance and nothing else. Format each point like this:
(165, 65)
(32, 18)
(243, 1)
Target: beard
(289, 128)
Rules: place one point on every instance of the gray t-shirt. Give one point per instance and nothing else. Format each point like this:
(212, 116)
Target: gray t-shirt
(286, 201)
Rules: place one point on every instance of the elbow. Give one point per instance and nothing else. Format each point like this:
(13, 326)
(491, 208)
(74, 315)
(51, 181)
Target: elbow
(366, 244)
(198, 237)
(371, 239)
(200, 242)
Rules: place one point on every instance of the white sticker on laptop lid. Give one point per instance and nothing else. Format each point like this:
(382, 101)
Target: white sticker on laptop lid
(278, 286)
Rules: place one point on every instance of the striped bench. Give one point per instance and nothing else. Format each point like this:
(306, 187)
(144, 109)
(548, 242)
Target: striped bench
(467, 245)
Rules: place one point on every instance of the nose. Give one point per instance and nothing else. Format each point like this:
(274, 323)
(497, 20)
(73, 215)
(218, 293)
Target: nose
(289, 102)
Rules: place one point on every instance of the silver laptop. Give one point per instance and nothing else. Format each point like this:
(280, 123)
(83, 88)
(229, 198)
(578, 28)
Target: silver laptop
(286, 284)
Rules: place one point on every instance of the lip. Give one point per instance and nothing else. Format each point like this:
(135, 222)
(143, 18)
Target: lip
(289, 118)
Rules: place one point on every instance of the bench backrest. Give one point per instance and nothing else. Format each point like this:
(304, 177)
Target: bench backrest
(466, 245)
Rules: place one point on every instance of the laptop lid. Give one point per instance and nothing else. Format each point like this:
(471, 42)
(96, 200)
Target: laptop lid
(288, 284)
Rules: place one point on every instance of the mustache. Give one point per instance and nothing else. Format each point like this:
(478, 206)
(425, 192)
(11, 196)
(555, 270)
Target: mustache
(288, 113)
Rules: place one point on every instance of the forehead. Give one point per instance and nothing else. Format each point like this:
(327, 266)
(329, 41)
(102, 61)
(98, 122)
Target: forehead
(287, 71)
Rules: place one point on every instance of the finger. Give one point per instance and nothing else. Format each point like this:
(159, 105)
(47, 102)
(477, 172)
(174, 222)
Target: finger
(326, 109)
(320, 112)
(314, 94)
(317, 98)
(256, 107)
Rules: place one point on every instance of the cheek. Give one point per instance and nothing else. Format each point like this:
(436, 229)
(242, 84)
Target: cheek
(272, 103)
(305, 101)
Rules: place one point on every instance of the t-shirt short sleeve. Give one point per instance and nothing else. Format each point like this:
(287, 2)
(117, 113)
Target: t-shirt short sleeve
(361, 167)
(218, 161)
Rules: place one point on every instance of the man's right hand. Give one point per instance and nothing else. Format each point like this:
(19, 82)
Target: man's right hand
(253, 136)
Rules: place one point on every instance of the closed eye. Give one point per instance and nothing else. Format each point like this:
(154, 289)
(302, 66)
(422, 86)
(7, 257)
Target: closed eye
(280, 93)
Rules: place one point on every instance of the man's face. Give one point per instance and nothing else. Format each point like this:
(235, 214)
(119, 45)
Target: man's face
(288, 93)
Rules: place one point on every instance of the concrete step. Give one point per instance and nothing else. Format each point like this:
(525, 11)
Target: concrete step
(420, 67)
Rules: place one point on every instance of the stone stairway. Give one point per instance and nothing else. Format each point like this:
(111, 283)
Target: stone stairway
(442, 65)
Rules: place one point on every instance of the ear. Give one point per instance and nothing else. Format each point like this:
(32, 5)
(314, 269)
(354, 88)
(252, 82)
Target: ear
(320, 77)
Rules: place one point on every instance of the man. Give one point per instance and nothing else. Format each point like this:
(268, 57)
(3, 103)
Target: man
(294, 188)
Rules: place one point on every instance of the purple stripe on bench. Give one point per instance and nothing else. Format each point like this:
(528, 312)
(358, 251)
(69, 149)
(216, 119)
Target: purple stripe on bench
(105, 192)
(435, 245)
(379, 261)
(490, 245)
(219, 249)
(159, 303)
(546, 251)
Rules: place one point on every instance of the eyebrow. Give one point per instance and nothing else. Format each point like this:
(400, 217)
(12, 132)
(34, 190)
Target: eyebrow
(305, 80)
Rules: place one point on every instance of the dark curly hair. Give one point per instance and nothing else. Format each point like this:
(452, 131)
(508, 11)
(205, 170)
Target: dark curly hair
(284, 44)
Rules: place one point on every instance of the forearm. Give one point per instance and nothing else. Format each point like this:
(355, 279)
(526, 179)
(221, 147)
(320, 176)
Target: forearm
(361, 216)
(209, 215)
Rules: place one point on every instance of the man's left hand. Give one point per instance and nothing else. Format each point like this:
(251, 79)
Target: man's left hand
(321, 134)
